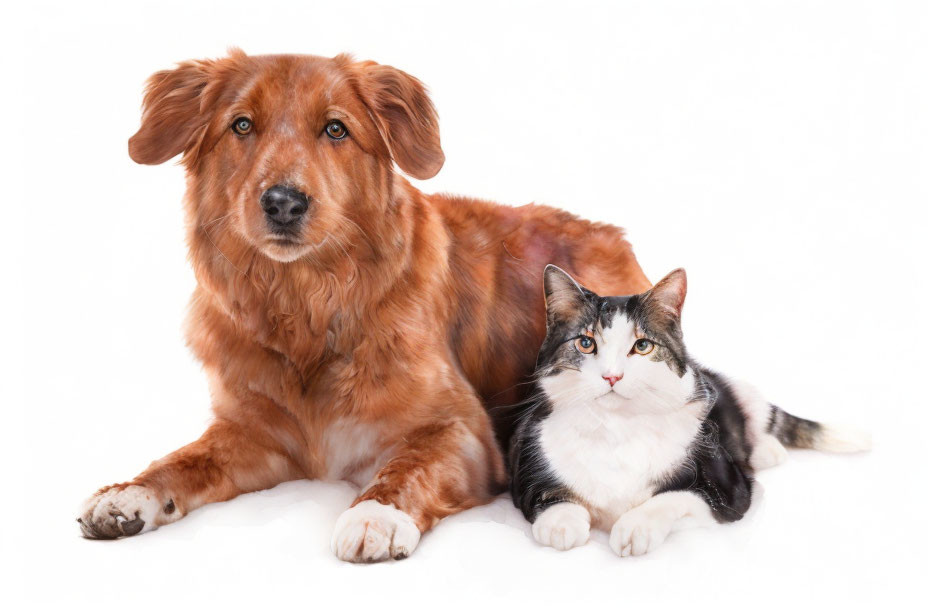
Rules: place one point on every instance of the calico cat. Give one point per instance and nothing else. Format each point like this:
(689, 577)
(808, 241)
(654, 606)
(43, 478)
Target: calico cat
(625, 432)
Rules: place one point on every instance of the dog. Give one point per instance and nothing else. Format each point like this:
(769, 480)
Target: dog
(351, 326)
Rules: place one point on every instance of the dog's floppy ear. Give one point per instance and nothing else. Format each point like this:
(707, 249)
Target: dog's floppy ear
(173, 117)
(405, 117)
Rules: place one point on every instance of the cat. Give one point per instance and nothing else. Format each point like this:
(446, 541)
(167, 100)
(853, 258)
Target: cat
(624, 432)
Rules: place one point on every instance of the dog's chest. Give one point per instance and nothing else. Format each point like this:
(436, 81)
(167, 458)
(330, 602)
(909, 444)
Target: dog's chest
(615, 463)
(352, 451)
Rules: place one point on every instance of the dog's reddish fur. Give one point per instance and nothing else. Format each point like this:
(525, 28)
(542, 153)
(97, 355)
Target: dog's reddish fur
(375, 347)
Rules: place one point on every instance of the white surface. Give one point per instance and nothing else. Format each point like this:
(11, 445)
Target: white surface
(777, 150)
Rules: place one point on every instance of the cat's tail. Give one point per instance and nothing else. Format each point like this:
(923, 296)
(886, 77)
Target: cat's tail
(795, 432)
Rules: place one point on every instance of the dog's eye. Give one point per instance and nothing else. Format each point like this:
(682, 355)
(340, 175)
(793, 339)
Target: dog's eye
(643, 347)
(585, 344)
(242, 125)
(336, 130)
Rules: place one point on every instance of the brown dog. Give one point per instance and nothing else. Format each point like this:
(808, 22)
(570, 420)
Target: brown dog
(352, 327)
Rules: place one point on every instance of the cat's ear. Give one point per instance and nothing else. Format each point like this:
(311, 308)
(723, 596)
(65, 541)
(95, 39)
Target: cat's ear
(564, 297)
(669, 293)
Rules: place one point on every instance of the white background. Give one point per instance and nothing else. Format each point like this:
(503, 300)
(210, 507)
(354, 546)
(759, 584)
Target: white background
(777, 150)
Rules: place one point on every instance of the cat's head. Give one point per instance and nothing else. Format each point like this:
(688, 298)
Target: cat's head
(621, 352)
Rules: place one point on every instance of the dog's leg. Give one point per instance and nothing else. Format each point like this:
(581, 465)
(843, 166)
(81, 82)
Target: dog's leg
(225, 462)
(440, 469)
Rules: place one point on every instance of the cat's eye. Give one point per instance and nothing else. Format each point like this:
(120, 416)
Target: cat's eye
(242, 125)
(643, 346)
(336, 130)
(585, 344)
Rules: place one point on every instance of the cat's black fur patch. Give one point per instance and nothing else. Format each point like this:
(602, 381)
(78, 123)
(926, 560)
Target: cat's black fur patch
(718, 466)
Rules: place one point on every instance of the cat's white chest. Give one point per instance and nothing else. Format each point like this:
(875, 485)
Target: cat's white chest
(613, 462)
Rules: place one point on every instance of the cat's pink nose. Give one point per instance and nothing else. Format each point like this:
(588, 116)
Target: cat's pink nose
(613, 379)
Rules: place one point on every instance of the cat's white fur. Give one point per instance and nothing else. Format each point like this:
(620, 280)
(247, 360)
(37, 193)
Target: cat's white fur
(563, 526)
(843, 440)
(645, 527)
(767, 450)
(615, 444)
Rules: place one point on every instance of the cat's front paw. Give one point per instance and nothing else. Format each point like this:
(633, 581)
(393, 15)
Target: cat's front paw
(639, 531)
(563, 526)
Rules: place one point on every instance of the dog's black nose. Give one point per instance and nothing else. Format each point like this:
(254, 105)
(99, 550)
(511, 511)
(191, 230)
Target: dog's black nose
(284, 205)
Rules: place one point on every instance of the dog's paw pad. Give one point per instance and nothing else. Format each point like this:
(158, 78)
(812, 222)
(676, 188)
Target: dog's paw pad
(121, 511)
(372, 532)
(563, 526)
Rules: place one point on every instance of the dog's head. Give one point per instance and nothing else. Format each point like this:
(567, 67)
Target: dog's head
(288, 149)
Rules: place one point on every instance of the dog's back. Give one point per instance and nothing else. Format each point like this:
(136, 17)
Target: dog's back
(497, 257)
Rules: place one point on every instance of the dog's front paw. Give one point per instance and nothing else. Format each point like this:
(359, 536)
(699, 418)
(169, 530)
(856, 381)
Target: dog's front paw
(639, 531)
(563, 526)
(123, 510)
(372, 532)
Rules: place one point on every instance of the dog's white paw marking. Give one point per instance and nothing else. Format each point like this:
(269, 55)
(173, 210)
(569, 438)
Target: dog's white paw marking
(768, 452)
(124, 511)
(639, 531)
(563, 526)
(372, 532)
